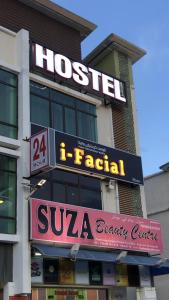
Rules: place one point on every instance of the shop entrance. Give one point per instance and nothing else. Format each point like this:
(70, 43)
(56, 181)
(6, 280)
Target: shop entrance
(68, 294)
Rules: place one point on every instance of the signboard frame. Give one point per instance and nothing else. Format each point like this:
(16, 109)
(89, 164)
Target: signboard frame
(39, 158)
(71, 153)
(66, 224)
(122, 163)
(46, 136)
(74, 74)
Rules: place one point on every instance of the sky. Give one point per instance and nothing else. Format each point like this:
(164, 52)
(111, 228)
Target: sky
(146, 24)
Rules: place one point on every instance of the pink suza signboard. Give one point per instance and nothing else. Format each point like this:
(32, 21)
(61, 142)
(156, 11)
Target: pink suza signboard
(68, 224)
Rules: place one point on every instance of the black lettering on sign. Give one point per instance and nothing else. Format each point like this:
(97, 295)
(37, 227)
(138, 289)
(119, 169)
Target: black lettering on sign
(53, 221)
(73, 215)
(86, 228)
(43, 219)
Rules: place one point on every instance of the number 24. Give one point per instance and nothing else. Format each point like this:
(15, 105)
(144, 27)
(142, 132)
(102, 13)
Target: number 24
(39, 147)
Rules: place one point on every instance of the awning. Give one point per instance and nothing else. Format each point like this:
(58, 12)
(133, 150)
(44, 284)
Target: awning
(144, 260)
(53, 251)
(157, 271)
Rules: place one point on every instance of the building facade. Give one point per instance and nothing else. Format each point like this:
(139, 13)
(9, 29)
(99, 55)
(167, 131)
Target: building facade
(156, 191)
(69, 124)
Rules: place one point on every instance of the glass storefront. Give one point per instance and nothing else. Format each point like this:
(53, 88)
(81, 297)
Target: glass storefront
(68, 294)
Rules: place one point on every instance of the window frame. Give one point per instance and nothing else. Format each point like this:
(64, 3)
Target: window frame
(15, 173)
(64, 106)
(16, 87)
(51, 179)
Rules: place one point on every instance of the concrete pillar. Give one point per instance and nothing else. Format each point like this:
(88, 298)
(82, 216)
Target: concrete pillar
(9, 290)
(21, 250)
(105, 137)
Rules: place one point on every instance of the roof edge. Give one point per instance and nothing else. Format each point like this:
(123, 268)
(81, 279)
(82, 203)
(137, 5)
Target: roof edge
(63, 15)
(153, 175)
(114, 41)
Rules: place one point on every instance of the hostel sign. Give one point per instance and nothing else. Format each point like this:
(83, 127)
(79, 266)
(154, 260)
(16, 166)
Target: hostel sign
(75, 73)
(80, 155)
(69, 224)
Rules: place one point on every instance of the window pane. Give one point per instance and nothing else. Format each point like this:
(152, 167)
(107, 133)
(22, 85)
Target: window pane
(89, 182)
(62, 98)
(8, 77)
(87, 107)
(57, 116)
(72, 195)
(59, 193)
(8, 104)
(7, 194)
(7, 163)
(90, 199)
(8, 131)
(7, 226)
(87, 126)
(70, 121)
(39, 111)
(63, 176)
(39, 89)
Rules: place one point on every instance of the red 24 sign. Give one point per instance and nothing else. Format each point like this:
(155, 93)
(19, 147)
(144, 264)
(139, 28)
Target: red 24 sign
(40, 147)
(39, 151)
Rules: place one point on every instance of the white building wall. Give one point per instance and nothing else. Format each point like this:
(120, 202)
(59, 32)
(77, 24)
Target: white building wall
(8, 49)
(162, 289)
(157, 192)
(14, 57)
(157, 201)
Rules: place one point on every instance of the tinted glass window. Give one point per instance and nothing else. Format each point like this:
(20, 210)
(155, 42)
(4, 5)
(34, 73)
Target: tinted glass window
(40, 111)
(59, 192)
(70, 121)
(63, 176)
(57, 116)
(8, 78)
(87, 126)
(8, 104)
(39, 89)
(50, 108)
(71, 188)
(8, 194)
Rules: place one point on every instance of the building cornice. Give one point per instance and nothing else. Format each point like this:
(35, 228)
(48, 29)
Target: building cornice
(62, 15)
(117, 43)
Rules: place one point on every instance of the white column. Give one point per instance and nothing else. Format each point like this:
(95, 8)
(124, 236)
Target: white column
(106, 137)
(21, 250)
(9, 290)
